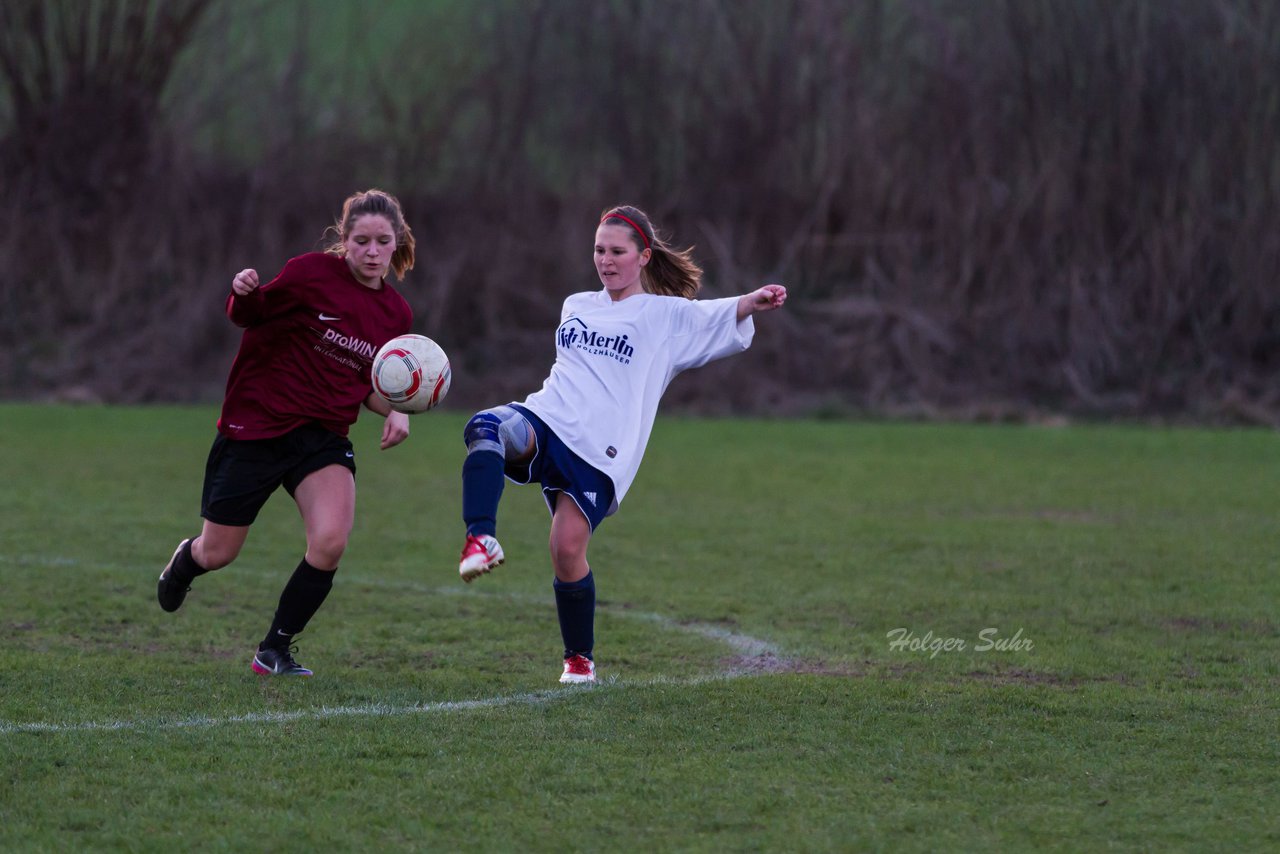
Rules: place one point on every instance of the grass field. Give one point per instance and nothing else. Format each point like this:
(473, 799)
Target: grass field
(752, 695)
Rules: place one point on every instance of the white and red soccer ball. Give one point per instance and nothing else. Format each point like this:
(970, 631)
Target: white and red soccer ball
(411, 372)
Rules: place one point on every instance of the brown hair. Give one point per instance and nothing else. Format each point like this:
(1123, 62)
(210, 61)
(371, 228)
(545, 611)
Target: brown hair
(380, 203)
(670, 272)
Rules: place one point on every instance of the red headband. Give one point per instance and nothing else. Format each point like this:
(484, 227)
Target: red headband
(616, 215)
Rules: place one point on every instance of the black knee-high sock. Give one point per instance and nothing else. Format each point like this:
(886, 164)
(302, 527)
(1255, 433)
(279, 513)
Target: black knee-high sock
(576, 608)
(482, 482)
(184, 566)
(299, 601)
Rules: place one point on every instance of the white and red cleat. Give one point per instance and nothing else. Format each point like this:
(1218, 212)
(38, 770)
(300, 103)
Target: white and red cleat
(479, 555)
(578, 670)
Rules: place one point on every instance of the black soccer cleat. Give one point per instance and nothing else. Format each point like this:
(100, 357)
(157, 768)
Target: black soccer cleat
(277, 662)
(170, 591)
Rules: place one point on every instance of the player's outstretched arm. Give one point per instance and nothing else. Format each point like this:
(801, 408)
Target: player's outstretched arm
(767, 298)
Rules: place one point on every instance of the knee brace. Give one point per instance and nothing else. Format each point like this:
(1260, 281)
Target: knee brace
(502, 430)
(482, 433)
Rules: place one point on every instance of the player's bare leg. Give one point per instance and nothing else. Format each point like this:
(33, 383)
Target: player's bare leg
(575, 589)
(326, 498)
(217, 546)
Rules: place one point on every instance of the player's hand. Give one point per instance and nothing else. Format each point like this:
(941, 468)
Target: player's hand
(245, 282)
(769, 297)
(766, 298)
(395, 429)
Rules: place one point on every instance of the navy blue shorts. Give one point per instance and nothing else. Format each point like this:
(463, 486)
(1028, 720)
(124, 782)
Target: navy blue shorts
(559, 469)
(241, 474)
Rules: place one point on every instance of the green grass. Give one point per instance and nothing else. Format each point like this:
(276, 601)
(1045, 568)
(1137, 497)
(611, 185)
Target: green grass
(751, 698)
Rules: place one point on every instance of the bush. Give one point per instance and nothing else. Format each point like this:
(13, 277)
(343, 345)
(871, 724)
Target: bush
(988, 209)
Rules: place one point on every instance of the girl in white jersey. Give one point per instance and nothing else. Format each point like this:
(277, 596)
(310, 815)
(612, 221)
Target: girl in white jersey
(582, 435)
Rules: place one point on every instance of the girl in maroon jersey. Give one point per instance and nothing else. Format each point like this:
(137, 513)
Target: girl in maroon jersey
(295, 388)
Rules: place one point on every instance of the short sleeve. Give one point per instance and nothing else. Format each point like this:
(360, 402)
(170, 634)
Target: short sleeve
(704, 330)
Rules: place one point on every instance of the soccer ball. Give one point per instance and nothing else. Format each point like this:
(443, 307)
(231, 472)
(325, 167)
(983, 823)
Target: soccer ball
(411, 372)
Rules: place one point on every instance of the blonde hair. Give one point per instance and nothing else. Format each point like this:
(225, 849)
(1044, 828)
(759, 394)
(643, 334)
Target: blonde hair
(670, 272)
(379, 203)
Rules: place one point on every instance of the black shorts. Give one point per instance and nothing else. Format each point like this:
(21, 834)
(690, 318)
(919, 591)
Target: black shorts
(242, 473)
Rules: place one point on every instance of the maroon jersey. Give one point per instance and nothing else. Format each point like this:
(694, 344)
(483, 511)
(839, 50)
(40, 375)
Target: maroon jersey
(309, 341)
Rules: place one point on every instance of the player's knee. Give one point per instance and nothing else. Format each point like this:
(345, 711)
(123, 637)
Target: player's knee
(483, 433)
(325, 549)
(516, 435)
(213, 555)
(502, 430)
(569, 564)
(568, 549)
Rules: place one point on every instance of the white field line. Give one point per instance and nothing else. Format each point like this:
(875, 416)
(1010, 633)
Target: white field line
(739, 643)
(743, 645)
(369, 710)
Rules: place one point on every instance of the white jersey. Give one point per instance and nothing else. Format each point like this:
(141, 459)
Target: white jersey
(613, 362)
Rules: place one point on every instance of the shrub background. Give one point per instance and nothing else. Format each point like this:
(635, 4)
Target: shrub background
(998, 209)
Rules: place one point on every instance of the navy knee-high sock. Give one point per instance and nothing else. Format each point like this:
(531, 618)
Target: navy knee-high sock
(576, 608)
(482, 481)
(301, 598)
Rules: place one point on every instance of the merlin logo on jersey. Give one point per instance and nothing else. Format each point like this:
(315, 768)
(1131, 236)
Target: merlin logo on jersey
(574, 333)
